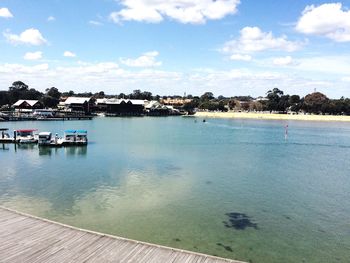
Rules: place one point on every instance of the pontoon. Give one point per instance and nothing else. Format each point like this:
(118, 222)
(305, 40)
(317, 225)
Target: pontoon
(75, 137)
(25, 136)
(46, 139)
(5, 136)
(81, 137)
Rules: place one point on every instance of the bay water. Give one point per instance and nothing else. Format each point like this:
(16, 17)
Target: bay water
(233, 188)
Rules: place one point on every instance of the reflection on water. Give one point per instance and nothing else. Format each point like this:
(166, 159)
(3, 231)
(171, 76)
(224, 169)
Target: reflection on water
(80, 150)
(69, 151)
(76, 150)
(4, 147)
(232, 188)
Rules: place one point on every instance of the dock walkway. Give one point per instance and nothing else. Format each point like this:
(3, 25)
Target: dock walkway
(25, 238)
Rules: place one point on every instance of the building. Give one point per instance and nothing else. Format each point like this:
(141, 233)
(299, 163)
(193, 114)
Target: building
(121, 107)
(177, 102)
(28, 105)
(82, 104)
(155, 108)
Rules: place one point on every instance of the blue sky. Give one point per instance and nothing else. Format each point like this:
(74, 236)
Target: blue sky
(229, 47)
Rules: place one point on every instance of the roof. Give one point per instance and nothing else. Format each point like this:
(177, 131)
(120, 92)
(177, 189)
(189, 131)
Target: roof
(30, 102)
(45, 133)
(70, 131)
(76, 100)
(100, 101)
(4, 129)
(138, 102)
(119, 101)
(27, 130)
(81, 131)
(154, 104)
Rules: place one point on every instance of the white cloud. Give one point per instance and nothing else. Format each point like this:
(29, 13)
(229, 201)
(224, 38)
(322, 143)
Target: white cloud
(253, 39)
(147, 59)
(183, 11)
(328, 20)
(13, 69)
(284, 61)
(325, 65)
(33, 55)
(241, 57)
(92, 76)
(30, 36)
(69, 54)
(5, 12)
(95, 23)
(346, 79)
(51, 18)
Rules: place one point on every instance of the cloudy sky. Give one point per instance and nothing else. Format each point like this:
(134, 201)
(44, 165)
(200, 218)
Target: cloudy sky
(229, 47)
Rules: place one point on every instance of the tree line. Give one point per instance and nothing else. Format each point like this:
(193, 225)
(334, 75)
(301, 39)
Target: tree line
(274, 101)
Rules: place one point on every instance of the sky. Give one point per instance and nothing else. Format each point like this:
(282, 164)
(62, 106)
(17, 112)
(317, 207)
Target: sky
(228, 47)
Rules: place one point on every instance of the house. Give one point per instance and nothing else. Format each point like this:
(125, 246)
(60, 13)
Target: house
(155, 108)
(83, 104)
(122, 107)
(28, 105)
(177, 102)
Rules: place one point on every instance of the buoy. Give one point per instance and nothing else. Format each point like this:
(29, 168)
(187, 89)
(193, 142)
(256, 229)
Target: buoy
(286, 132)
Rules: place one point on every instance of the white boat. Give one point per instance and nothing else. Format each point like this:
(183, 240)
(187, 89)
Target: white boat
(75, 137)
(81, 137)
(25, 136)
(46, 139)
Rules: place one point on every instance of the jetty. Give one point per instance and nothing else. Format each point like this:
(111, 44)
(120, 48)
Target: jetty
(26, 238)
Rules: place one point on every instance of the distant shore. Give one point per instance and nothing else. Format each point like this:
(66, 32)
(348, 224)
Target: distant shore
(272, 116)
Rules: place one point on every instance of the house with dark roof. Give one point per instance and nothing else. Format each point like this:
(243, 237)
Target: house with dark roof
(121, 107)
(28, 105)
(83, 104)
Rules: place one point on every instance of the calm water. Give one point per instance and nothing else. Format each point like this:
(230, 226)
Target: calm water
(173, 181)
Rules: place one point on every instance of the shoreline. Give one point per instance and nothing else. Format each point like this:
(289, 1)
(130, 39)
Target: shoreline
(272, 116)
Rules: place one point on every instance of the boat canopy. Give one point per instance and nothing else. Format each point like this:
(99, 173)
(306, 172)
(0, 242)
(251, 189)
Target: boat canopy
(82, 131)
(4, 129)
(45, 133)
(70, 131)
(28, 130)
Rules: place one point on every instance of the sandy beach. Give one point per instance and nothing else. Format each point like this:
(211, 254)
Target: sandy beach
(271, 116)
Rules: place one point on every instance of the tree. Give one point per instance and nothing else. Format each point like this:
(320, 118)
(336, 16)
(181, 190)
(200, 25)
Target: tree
(136, 94)
(49, 102)
(53, 92)
(191, 106)
(207, 96)
(315, 102)
(232, 104)
(274, 97)
(146, 95)
(18, 85)
(51, 98)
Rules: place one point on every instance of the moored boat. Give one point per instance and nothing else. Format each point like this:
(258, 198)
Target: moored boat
(75, 137)
(5, 136)
(81, 137)
(46, 139)
(25, 136)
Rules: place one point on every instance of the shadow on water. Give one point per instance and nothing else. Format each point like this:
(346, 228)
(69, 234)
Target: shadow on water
(227, 248)
(239, 221)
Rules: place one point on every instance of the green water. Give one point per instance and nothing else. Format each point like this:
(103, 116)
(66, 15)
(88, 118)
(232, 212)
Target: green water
(172, 181)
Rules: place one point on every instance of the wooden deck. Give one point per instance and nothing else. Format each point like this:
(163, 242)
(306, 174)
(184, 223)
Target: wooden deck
(25, 238)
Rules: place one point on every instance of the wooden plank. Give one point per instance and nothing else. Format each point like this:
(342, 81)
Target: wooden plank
(24, 238)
